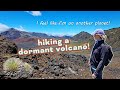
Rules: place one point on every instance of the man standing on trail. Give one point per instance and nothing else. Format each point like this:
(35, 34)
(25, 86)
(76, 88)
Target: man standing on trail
(101, 54)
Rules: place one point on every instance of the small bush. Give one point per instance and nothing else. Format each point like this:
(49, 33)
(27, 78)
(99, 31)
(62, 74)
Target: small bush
(12, 64)
(15, 68)
(28, 68)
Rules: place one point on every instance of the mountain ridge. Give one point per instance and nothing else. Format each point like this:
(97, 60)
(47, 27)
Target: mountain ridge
(16, 35)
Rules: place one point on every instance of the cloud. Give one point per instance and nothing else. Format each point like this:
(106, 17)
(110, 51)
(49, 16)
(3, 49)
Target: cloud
(20, 28)
(61, 34)
(3, 27)
(34, 13)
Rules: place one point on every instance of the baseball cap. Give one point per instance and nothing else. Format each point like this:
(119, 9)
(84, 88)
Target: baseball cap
(99, 32)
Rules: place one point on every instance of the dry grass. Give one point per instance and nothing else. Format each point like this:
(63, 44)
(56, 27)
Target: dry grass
(112, 71)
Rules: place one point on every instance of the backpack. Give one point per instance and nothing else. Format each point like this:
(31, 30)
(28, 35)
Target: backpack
(110, 54)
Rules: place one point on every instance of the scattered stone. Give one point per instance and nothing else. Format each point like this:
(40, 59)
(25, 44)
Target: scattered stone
(36, 67)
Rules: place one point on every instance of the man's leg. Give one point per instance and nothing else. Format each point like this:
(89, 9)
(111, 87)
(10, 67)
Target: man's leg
(99, 76)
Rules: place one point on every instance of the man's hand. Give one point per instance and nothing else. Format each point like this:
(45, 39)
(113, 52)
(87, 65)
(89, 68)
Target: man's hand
(93, 76)
(89, 62)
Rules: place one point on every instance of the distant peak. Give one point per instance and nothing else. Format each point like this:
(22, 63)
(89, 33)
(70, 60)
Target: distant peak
(83, 32)
(13, 29)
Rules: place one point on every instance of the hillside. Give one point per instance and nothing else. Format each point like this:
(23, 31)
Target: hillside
(113, 37)
(82, 36)
(7, 47)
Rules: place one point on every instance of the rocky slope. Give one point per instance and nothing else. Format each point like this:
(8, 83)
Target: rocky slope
(57, 65)
(7, 47)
